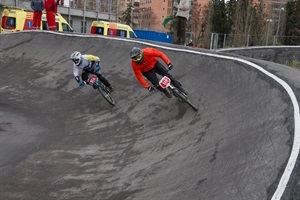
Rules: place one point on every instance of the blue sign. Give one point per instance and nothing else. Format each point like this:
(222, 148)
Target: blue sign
(29, 24)
(11, 22)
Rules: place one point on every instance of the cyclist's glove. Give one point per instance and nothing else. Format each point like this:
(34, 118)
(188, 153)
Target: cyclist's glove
(81, 83)
(150, 89)
(170, 66)
(97, 69)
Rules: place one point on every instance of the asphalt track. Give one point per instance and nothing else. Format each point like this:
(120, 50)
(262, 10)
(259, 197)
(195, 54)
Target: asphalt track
(64, 142)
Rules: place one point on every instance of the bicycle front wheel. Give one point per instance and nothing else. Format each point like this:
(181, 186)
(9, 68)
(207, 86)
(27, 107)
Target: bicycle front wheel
(184, 98)
(106, 96)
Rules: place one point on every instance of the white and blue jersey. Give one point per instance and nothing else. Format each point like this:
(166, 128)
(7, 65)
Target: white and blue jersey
(87, 63)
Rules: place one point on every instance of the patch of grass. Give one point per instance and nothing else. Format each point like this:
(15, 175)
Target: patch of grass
(293, 63)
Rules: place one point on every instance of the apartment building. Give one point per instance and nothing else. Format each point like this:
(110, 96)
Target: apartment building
(275, 9)
(150, 14)
(123, 4)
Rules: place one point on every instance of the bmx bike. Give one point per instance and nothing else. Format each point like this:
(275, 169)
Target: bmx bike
(165, 82)
(103, 89)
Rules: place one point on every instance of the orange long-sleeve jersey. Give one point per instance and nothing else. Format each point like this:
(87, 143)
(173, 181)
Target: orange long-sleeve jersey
(150, 55)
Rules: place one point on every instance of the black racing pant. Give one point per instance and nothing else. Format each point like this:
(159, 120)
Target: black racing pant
(85, 76)
(151, 75)
(181, 27)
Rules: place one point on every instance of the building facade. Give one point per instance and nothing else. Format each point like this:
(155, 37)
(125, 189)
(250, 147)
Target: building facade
(79, 13)
(146, 14)
(150, 14)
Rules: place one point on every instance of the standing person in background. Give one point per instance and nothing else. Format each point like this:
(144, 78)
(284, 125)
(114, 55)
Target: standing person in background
(183, 14)
(37, 7)
(51, 10)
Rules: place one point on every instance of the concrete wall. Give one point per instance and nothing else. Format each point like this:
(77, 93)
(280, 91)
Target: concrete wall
(277, 54)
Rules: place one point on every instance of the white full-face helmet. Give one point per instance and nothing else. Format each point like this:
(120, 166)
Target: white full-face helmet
(76, 57)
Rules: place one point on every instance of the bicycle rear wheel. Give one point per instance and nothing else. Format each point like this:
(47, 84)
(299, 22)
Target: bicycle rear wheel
(184, 98)
(106, 95)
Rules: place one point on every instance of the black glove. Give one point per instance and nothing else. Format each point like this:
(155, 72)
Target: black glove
(170, 66)
(150, 89)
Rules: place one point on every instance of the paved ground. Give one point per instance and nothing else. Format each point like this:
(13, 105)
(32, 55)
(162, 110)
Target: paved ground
(59, 141)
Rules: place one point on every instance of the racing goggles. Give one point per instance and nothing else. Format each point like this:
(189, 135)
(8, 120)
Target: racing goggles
(76, 61)
(137, 58)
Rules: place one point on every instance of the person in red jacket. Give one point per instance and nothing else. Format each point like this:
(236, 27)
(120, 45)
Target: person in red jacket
(145, 64)
(51, 9)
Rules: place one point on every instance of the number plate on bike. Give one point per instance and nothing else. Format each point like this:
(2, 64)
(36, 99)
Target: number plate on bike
(92, 79)
(165, 82)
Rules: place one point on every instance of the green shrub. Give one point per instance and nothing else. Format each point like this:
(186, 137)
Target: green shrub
(293, 63)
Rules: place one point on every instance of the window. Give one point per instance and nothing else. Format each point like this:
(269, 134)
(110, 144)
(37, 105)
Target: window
(8, 22)
(99, 30)
(66, 28)
(121, 33)
(83, 27)
(132, 35)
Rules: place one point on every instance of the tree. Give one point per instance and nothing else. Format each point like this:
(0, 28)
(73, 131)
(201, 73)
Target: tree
(230, 12)
(216, 21)
(196, 22)
(292, 28)
(207, 25)
(258, 23)
(247, 21)
(148, 19)
(126, 17)
(219, 20)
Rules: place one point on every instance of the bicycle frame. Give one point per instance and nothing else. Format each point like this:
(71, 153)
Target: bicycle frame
(165, 82)
(94, 81)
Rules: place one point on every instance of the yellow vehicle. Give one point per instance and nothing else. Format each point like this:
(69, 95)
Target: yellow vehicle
(112, 29)
(17, 19)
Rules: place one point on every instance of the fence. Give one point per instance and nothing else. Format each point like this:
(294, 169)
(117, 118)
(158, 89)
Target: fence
(154, 35)
(218, 40)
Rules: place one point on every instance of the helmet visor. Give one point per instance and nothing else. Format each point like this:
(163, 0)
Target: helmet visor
(76, 61)
(137, 58)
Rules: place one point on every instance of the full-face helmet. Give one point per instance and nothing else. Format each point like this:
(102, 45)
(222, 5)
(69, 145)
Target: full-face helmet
(76, 57)
(137, 55)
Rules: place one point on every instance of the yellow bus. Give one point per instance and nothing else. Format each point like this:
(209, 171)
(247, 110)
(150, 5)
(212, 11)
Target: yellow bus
(17, 19)
(112, 29)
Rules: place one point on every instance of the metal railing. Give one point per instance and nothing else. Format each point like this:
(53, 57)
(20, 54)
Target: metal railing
(218, 40)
